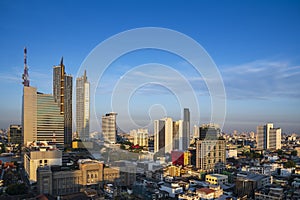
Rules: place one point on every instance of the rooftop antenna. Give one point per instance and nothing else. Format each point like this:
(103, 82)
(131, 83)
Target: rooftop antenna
(25, 75)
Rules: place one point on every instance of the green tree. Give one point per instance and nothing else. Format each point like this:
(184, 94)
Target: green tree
(294, 153)
(289, 164)
(280, 152)
(16, 189)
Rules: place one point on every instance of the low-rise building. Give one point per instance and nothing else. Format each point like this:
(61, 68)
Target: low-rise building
(172, 188)
(58, 181)
(216, 179)
(247, 183)
(39, 154)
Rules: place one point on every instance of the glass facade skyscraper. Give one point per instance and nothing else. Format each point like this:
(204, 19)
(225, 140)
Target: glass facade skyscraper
(62, 92)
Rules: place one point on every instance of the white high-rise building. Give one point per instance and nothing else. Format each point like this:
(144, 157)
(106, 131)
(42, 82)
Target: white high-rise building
(140, 137)
(83, 107)
(268, 137)
(109, 127)
(163, 135)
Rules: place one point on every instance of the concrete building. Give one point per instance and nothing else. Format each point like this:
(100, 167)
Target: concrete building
(247, 183)
(216, 179)
(140, 137)
(40, 154)
(109, 127)
(174, 171)
(15, 134)
(41, 118)
(211, 155)
(62, 93)
(269, 193)
(91, 174)
(268, 137)
(83, 107)
(170, 135)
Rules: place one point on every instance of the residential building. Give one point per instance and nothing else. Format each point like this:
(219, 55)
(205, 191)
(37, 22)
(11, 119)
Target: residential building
(83, 107)
(268, 137)
(216, 179)
(211, 155)
(140, 137)
(109, 127)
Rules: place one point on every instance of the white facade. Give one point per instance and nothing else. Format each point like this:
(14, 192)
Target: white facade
(140, 137)
(109, 127)
(83, 107)
(268, 137)
(173, 189)
(39, 158)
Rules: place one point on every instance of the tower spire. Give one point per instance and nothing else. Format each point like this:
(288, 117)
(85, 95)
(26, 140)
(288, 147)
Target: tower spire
(25, 75)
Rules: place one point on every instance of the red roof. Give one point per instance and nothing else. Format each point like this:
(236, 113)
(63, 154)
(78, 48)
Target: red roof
(205, 190)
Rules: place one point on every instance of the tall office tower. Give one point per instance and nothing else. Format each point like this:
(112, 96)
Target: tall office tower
(186, 129)
(83, 107)
(140, 137)
(178, 135)
(15, 134)
(42, 119)
(163, 136)
(209, 132)
(62, 92)
(109, 127)
(211, 155)
(268, 137)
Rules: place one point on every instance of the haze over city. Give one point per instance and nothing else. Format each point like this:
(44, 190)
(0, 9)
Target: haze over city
(255, 47)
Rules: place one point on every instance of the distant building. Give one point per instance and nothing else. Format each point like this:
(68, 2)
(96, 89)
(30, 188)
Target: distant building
(182, 158)
(40, 154)
(83, 107)
(15, 134)
(170, 135)
(211, 155)
(209, 131)
(62, 93)
(174, 171)
(269, 193)
(268, 137)
(140, 137)
(109, 127)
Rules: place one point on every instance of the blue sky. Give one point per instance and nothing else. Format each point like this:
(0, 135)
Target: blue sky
(255, 45)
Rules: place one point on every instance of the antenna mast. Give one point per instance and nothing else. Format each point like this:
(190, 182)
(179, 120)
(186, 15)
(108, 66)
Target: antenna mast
(25, 75)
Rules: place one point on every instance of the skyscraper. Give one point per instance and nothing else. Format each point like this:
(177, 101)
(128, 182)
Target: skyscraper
(109, 127)
(41, 119)
(83, 107)
(186, 129)
(268, 137)
(62, 92)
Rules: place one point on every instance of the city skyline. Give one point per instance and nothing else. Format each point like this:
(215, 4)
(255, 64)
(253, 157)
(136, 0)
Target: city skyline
(257, 55)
